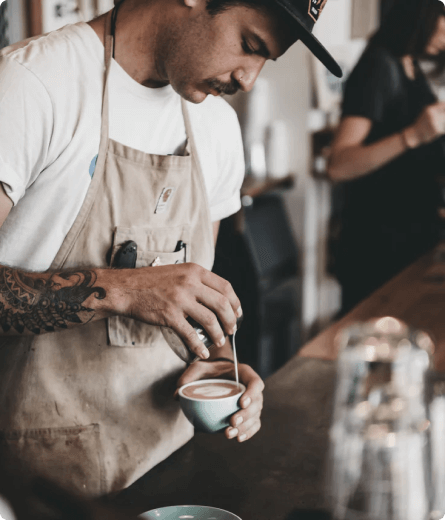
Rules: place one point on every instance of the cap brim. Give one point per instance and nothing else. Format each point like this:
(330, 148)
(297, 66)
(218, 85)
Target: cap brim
(311, 42)
(320, 52)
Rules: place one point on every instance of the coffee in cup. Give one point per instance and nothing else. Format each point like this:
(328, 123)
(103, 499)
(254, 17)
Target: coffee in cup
(211, 390)
(210, 403)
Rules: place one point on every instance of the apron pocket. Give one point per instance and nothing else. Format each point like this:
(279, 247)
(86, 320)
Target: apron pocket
(48, 452)
(155, 247)
(151, 239)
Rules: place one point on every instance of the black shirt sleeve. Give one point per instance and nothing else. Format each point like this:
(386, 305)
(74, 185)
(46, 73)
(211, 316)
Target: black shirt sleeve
(372, 85)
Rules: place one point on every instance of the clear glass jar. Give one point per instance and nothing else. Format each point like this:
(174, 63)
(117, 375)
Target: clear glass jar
(379, 458)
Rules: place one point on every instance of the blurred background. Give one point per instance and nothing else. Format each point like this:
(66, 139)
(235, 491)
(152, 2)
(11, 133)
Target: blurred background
(275, 250)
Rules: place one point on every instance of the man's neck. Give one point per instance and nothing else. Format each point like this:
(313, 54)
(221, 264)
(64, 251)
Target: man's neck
(136, 40)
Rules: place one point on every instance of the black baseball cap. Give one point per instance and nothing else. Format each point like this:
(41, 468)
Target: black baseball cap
(306, 13)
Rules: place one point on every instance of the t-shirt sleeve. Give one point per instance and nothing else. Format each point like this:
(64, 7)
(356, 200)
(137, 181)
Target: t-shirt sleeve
(371, 86)
(225, 197)
(26, 122)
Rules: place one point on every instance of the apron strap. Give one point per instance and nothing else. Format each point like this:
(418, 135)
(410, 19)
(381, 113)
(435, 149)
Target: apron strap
(189, 146)
(109, 43)
(191, 149)
(90, 197)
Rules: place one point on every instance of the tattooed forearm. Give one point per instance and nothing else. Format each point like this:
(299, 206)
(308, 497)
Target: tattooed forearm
(35, 304)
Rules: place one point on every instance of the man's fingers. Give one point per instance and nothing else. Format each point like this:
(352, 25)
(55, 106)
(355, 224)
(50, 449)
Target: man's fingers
(245, 436)
(244, 416)
(248, 425)
(166, 295)
(220, 306)
(188, 334)
(208, 320)
(225, 288)
(253, 383)
(246, 422)
(244, 432)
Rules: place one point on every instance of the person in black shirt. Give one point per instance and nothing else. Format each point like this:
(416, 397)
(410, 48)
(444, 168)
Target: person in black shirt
(387, 152)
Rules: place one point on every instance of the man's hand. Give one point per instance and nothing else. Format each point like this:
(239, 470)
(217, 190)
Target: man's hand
(163, 296)
(247, 421)
(166, 295)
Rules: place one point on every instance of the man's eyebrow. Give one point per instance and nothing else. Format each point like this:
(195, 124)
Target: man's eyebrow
(263, 49)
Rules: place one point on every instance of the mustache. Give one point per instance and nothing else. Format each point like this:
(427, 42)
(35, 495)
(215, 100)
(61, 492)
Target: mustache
(224, 88)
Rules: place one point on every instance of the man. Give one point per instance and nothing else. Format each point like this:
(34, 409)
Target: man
(90, 163)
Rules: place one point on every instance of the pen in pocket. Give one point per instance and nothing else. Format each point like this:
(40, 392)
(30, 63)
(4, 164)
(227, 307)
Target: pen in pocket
(179, 247)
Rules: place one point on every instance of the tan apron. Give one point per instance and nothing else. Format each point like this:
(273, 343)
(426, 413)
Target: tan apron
(93, 407)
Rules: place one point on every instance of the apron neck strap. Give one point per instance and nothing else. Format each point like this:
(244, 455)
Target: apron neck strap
(104, 133)
(109, 39)
(109, 48)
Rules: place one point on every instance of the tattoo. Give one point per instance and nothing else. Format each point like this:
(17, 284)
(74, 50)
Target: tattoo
(43, 305)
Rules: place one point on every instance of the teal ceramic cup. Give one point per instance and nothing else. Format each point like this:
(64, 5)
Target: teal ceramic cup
(189, 512)
(210, 415)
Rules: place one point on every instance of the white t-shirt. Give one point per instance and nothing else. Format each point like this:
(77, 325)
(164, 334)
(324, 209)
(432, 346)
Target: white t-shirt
(50, 116)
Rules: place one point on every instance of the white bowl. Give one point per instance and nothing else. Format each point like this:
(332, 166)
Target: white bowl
(189, 513)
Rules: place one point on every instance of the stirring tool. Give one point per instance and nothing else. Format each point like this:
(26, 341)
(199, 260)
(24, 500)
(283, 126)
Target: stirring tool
(235, 359)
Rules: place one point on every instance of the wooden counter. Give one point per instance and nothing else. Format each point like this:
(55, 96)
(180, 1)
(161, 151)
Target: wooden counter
(416, 296)
(278, 474)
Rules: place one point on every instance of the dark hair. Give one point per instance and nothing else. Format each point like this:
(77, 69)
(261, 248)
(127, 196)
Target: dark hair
(218, 6)
(408, 27)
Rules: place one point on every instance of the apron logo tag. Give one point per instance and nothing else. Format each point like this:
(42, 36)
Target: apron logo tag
(164, 200)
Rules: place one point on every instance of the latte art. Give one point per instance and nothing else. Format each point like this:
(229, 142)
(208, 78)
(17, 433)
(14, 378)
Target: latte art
(211, 390)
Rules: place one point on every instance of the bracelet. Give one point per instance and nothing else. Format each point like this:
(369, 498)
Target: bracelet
(405, 140)
(223, 359)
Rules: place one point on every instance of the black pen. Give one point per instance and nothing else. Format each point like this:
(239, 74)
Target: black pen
(179, 247)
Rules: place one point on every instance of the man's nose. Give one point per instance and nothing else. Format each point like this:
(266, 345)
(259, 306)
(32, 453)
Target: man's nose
(247, 76)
